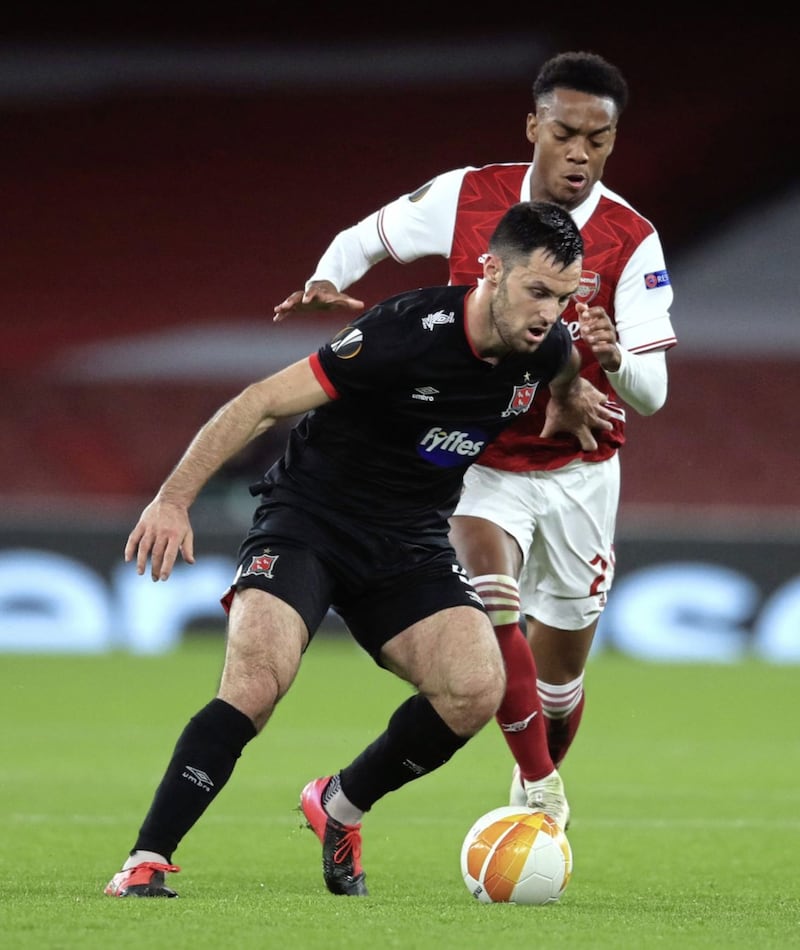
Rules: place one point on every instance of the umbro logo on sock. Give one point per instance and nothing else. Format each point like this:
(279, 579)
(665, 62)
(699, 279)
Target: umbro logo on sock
(198, 777)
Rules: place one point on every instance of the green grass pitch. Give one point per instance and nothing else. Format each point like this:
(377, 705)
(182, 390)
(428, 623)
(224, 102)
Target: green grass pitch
(683, 784)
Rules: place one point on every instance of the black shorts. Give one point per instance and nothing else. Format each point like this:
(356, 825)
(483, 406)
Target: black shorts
(379, 585)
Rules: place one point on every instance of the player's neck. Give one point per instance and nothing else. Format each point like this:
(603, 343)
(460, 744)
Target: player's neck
(479, 326)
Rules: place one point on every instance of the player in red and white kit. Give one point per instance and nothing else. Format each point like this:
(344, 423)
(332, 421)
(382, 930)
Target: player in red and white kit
(536, 521)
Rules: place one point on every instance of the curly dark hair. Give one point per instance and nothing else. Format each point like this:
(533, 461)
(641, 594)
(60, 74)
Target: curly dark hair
(584, 72)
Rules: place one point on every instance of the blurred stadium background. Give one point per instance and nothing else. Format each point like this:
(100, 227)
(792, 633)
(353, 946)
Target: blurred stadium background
(167, 180)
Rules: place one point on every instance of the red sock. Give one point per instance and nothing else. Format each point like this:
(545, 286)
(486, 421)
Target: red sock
(561, 732)
(520, 714)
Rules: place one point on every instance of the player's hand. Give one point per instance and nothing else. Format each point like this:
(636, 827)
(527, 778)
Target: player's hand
(580, 411)
(600, 334)
(162, 531)
(321, 295)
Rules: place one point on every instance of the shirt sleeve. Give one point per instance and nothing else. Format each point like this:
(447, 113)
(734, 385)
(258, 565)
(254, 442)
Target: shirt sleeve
(415, 225)
(643, 299)
(351, 254)
(362, 357)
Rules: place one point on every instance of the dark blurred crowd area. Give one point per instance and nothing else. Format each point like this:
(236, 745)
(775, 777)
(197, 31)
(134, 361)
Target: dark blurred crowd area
(135, 210)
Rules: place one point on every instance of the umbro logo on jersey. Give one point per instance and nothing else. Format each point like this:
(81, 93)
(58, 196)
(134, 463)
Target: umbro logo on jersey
(426, 393)
(438, 318)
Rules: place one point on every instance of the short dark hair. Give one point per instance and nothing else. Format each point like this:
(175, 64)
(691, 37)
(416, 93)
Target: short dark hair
(529, 225)
(584, 72)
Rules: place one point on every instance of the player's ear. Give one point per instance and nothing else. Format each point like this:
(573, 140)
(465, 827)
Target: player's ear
(531, 127)
(492, 268)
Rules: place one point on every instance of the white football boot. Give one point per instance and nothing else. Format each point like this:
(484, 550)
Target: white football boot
(547, 795)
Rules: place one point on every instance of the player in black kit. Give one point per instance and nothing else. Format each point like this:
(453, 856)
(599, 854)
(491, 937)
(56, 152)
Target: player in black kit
(354, 517)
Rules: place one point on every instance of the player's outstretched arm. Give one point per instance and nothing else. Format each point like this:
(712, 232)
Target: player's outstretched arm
(319, 295)
(163, 529)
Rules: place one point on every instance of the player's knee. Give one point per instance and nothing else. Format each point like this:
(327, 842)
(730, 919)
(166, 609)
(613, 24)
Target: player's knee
(474, 692)
(485, 689)
(486, 695)
(500, 596)
(468, 714)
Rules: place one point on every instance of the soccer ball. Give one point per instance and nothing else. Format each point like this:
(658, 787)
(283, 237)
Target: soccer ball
(516, 855)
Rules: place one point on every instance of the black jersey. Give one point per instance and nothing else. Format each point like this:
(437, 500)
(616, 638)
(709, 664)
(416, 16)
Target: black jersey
(413, 407)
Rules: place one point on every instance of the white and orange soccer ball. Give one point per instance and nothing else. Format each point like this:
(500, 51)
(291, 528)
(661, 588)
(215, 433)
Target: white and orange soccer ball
(515, 855)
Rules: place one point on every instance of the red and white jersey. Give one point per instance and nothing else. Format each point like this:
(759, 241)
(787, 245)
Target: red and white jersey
(623, 271)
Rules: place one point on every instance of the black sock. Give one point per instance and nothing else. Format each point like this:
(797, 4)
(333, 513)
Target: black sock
(201, 764)
(416, 741)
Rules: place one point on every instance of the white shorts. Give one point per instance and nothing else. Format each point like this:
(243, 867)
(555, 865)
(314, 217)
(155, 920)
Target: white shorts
(564, 522)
